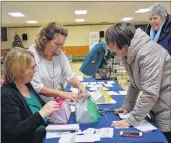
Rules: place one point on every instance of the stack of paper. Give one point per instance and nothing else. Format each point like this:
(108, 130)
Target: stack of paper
(101, 97)
(54, 131)
(69, 127)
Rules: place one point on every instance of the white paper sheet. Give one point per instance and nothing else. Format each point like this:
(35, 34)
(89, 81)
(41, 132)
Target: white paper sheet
(100, 82)
(89, 131)
(90, 85)
(69, 138)
(93, 82)
(124, 116)
(85, 83)
(105, 132)
(145, 126)
(123, 92)
(111, 82)
(108, 85)
(62, 127)
(93, 88)
(113, 93)
(87, 138)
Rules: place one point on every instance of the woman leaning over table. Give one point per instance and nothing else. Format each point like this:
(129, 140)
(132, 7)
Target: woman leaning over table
(149, 69)
(53, 67)
(23, 112)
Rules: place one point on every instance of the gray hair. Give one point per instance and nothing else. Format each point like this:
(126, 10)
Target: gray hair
(159, 10)
(120, 34)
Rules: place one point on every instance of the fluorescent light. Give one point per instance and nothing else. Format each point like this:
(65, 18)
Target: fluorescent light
(79, 20)
(80, 11)
(127, 18)
(16, 14)
(142, 10)
(32, 21)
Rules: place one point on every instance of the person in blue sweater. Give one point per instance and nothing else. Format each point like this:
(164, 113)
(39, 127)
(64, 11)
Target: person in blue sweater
(159, 28)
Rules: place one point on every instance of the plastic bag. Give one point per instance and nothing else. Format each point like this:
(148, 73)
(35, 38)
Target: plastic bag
(86, 111)
(63, 114)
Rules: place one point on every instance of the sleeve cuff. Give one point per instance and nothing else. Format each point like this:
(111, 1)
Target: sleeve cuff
(132, 121)
(127, 106)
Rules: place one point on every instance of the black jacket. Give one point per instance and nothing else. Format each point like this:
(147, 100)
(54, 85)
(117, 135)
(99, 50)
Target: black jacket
(165, 35)
(18, 124)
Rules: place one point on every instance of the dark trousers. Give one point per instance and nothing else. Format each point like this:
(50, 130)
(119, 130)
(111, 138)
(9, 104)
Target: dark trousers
(168, 136)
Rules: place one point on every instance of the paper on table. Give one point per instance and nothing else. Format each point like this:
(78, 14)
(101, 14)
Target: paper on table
(90, 85)
(105, 88)
(99, 85)
(93, 82)
(124, 116)
(93, 88)
(145, 126)
(108, 85)
(111, 82)
(85, 83)
(57, 134)
(100, 82)
(87, 138)
(89, 131)
(113, 93)
(69, 138)
(123, 92)
(105, 132)
(63, 127)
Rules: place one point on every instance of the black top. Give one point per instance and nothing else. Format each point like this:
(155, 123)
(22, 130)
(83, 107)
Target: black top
(18, 124)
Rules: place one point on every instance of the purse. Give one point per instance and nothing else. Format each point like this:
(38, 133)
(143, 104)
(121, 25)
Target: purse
(104, 73)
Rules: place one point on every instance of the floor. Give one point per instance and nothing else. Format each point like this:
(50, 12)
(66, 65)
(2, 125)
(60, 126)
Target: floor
(122, 77)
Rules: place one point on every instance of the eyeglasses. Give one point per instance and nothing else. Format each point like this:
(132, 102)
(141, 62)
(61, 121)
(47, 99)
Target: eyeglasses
(58, 44)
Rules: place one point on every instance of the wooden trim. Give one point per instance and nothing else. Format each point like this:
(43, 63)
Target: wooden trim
(76, 51)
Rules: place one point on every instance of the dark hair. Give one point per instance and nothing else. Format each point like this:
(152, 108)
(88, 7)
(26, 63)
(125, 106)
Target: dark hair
(120, 34)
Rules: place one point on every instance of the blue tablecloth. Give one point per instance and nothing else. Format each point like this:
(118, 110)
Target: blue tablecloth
(152, 137)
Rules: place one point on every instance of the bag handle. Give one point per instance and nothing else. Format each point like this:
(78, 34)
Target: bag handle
(106, 77)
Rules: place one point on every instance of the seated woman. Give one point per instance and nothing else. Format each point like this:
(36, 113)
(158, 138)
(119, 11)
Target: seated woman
(24, 113)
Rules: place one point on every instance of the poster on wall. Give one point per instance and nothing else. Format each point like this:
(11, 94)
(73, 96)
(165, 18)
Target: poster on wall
(93, 39)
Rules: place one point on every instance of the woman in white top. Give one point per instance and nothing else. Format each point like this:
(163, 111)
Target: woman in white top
(53, 67)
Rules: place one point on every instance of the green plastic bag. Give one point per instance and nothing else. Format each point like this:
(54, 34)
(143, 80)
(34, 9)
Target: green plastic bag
(86, 111)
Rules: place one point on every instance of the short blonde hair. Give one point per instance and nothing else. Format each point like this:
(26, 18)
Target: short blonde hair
(16, 63)
(48, 32)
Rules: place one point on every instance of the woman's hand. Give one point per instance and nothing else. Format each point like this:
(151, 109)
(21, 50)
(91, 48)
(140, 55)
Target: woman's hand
(48, 108)
(121, 110)
(121, 124)
(69, 95)
(82, 91)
